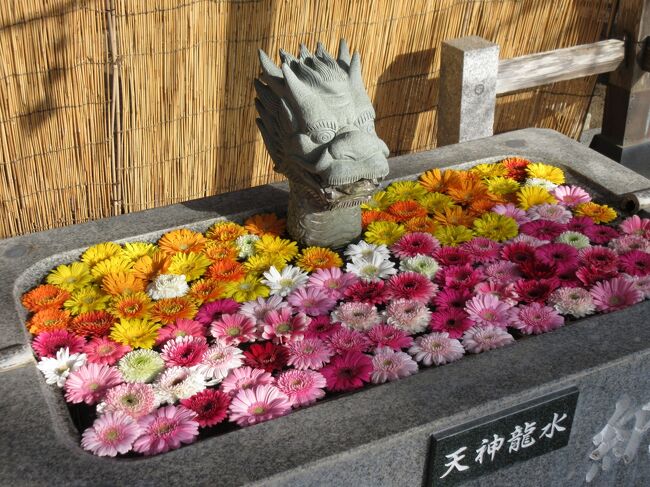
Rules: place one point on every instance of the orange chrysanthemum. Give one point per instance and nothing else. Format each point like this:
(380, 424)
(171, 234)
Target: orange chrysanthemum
(367, 217)
(467, 189)
(225, 231)
(480, 206)
(266, 224)
(227, 270)
(148, 267)
(122, 282)
(220, 250)
(516, 167)
(181, 240)
(48, 320)
(421, 224)
(405, 210)
(93, 323)
(439, 181)
(171, 309)
(313, 258)
(46, 296)
(131, 305)
(206, 290)
(453, 216)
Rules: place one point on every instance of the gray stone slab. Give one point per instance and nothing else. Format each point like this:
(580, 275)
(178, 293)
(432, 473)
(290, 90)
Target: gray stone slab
(378, 436)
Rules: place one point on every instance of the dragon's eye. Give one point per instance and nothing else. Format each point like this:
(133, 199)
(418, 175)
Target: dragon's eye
(322, 136)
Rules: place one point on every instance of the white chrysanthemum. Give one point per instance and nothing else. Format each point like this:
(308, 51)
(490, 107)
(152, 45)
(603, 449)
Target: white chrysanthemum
(572, 301)
(364, 250)
(388, 365)
(284, 282)
(168, 286)
(178, 383)
(422, 264)
(246, 245)
(574, 239)
(57, 369)
(218, 361)
(544, 183)
(372, 269)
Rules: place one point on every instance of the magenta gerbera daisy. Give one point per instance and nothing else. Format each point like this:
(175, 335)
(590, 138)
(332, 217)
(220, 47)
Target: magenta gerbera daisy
(371, 292)
(482, 249)
(415, 243)
(212, 311)
(103, 350)
(110, 434)
(389, 336)
(184, 351)
(312, 301)
(234, 329)
(321, 327)
(245, 378)
(47, 343)
(210, 406)
(482, 338)
(410, 316)
(412, 286)
(132, 398)
(90, 382)
(348, 371)
(281, 327)
(534, 290)
(503, 271)
(488, 310)
(180, 328)
(452, 298)
(302, 387)
(460, 276)
(453, 256)
(166, 429)
(571, 195)
(558, 254)
(601, 234)
(333, 280)
(580, 224)
(347, 340)
(634, 263)
(599, 258)
(614, 294)
(387, 365)
(436, 348)
(260, 403)
(543, 229)
(536, 318)
(310, 353)
(518, 253)
(453, 321)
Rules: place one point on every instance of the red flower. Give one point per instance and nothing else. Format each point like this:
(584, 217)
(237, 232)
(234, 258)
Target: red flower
(452, 256)
(371, 292)
(210, 405)
(519, 252)
(636, 263)
(535, 269)
(453, 321)
(269, 356)
(535, 290)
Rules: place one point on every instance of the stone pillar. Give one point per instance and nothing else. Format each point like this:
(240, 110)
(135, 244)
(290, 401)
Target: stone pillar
(468, 79)
(625, 135)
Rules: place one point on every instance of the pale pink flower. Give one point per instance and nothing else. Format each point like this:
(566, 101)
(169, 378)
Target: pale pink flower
(134, 399)
(260, 403)
(356, 315)
(511, 211)
(310, 353)
(482, 338)
(233, 329)
(110, 434)
(166, 429)
(302, 387)
(486, 309)
(259, 308)
(436, 348)
(571, 195)
(536, 318)
(90, 382)
(614, 294)
(409, 316)
(245, 378)
(387, 365)
(219, 359)
(503, 271)
(332, 280)
(554, 213)
(281, 327)
(312, 301)
(347, 340)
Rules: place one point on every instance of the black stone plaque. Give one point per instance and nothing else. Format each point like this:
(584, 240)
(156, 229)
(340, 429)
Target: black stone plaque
(502, 439)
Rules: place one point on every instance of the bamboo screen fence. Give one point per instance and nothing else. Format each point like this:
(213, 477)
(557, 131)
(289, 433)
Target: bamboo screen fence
(114, 106)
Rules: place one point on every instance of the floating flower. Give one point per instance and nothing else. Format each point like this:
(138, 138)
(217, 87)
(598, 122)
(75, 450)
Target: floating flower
(282, 283)
(166, 429)
(233, 329)
(57, 369)
(511, 211)
(640, 283)
(535, 290)
(412, 286)
(182, 240)
(372, 270)
(321, 327)
(502, 290)
(333, 281)
(573, 301)
(542, 229)
(46, 344)
(489, 170)
(269, 356)
(636, 225)
(615, 294)
(554, 213)
(281, 327)
(133, 399)
(313, 258)
(457, 276)
(134, 250)
(384, 233)
(387, 365)
(312, 301)
(87, 299)
(184, 351)
(348, 371)
(280, 247)
(414, 244)
(635, 263)
(148, 268)
(356, 315)
(599, 258)
(422, 224)
(369, 292)
(206, 290)
(503, 271)
(452, 298)
(135, 333)
(488, 310)
(535, 318)
(628, 243)
(131, 305)
(70, 277)
(168, 310)
(99, 252)
(246, 246)
(218, 360)
(226, 270)
(258, 309)
(516, 167)
(302, 387)
(455, 215)
(405, 190)
(559, 254)
(545, 171)
(389, 336)
(122, 283)
(436, 348)
(210, 312)
(409, 316)
(598, 213)
(366, 251)
(483, 338)
(180, 328)
(103, 350)
(571, 195)
(574, 239)
(453, 321)
(266, 224)
(534, 195)
(90, 382)
(168, 286)
(348, 340)
(601, 234)
(436, 202)
(502, 186)
(210, 406)
(191, 264)
(48, 320)
(496, 227)
(378, 201)
(245, 378)
(225, 231)
(177, 383)
(45, 296)
(110, 434)
(141, 366)
(453, 234)
(482, 250)
(261, 403)
(438, 180)
(258, 264)
(405, 210)
(112, 265)
(247, 289)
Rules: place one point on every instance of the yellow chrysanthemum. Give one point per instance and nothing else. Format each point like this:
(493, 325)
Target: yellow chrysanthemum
(259, 263)
(534, 195)
(112, 265)
(134, 250)
(379, 201)
(386, 233)
(405, 190)
(192, 265)
(246, 290)
(132, 305)
(182, 240)
(453, 234)
(598, 213)
(148, 267)
(280, 247)
(170, 309)
(206, 290)
(70, 277)
(489, 170)
(501, 185)
(89, 298)
(121, 283)
(135, 333)
(496, 227)
(100, 252)
(225, 231)
(544, 171)
(313, 258)
(436, 202)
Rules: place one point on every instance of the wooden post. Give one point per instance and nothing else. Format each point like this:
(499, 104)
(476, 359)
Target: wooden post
(625, 135)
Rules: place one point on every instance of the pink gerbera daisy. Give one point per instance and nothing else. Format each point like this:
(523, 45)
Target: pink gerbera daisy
(212, 311)
(260, 403)
(580, 224)
(415, 243)
(614, 294)
(482, 249)
(389, 336)
(90, 382)
(452, 298)
(554, 213)
(210, 406)
(436, 348)
(488, 310)
(636, 225)
(281, 326)
(181, 328)
(371, 292)
(103, 350)
(589, 276)
(453, 321)
(460, 276)
(312, 301)
(234, 329)
(559, 254)
(482, 338)
(529, 240)
(572, 301)
(543, 229)
(412, 286)
(387, 365)
(218, 360)
(503, 290)
(634, 263)
(571, 195)
(358, 316)
(321, 327)
(503, 271)
(259, 308)
(348, 371)
(166, 429)
(453, 256)
(627, 243)
(302, 387)
(245, 378)
(47, 343)
(410, 316)
(640, 283)
(511, 211)
(310, 353)
(333, 280)
(347, 340)
(184, 351)
(599, 258)
(110, 434)
(601, 234)
(536, 318)
(132, 398)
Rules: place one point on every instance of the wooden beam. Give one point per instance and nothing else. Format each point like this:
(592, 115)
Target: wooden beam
(560, 65)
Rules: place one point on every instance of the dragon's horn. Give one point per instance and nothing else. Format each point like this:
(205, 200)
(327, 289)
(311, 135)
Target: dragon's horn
(298, 89)
(344, 53)
(287, 57)
(324, 56)
(304, 52)
(268, 66)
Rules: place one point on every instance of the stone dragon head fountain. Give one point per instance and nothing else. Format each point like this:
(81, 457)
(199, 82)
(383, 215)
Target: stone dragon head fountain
(317, 123)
